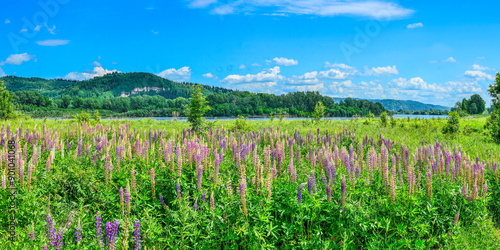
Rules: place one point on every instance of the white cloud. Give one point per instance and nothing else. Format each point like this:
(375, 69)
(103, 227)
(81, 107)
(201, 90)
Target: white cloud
(285, 61)
(23, 30)
(54, 42)
(98, 71)
(2, 73)
(17, 59)
(416, 83)
(256, 65)
(208, 75)
(381, 71)
(114, 63)
(201, 3)
(480, 58)
(242, 66)
(339, 66)
(37, 28)
(375, 9)
(179, 75)
(7, 21)
(432, 61)
(96, 64)
(451, 60)
(480, 68)
(415, 25)
(478, 75)
(267, 75)
(155, 32)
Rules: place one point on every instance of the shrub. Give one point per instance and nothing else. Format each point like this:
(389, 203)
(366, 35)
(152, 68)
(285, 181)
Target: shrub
(82, 117)
(383, 119)
(453, 124)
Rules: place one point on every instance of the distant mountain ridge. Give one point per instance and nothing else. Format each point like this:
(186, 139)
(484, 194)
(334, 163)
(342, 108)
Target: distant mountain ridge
(396, 105)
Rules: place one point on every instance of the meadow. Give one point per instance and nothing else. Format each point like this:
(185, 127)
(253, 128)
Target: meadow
(352, 184)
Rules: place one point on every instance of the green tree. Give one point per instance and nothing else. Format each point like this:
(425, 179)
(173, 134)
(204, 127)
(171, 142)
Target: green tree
(197, 108)
(393, 121)
(453, 124)
(66, 101)
(480, 103)
(319, 111)
(493, 122)
(6, 107)
(383, 119)
(97, 117)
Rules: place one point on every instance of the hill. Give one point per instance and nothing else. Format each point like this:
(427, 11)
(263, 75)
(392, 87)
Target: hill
(107, 86)
(396, 105)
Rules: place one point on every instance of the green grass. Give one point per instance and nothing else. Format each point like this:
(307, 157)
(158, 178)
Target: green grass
(368, 219)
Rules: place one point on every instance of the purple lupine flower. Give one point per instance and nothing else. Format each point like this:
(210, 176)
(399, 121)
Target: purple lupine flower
(163, 202)
(212, 202)
(195, 205)
(32, 233)
(457, 216)
(342, 193)
(50, 230)
(311, 183)
(58, 243)
(111, 231)
(78, 233)
(299, 192)
(137, 235)
(178, 189)
(98, 229)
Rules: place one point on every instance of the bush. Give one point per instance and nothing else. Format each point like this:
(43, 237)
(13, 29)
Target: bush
(453, 124)
(383, 119)
(82, 117)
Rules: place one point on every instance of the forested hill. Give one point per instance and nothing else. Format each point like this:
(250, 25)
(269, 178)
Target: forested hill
(110, 85)
(397, 105)
(146, 94)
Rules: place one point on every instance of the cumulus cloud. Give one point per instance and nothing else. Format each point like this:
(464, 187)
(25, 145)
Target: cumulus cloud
(2, 73)
(242, 66)
(208, 75)
(416, 83)
(285, 61)
(96, 64)
(256, 65)
(267, 75)
(179, 75)
(98, 71)
(339, 66)
(415, 25)
(7, 21)
(17, 59)
(451, 60)
(478, 75)
(53, 42)
(381, 71)
(375, 9)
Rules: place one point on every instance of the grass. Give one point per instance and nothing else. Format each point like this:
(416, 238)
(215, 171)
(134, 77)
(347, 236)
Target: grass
(79, 186)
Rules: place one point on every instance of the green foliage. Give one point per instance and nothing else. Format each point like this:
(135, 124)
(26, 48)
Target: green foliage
(453, 124)
(383, 119)
(96, 116)
(197, 108)
(475, 105)
(241, 124)
(83, 117)
(493, 123)
(6, 106)
(319, 111)
(393, 121)
(281, 115)
(271, 116)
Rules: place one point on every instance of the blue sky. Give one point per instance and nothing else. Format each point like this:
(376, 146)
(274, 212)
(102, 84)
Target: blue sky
(431, 51)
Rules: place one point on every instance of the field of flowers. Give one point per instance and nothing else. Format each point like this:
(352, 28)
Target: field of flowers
(284, 185)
